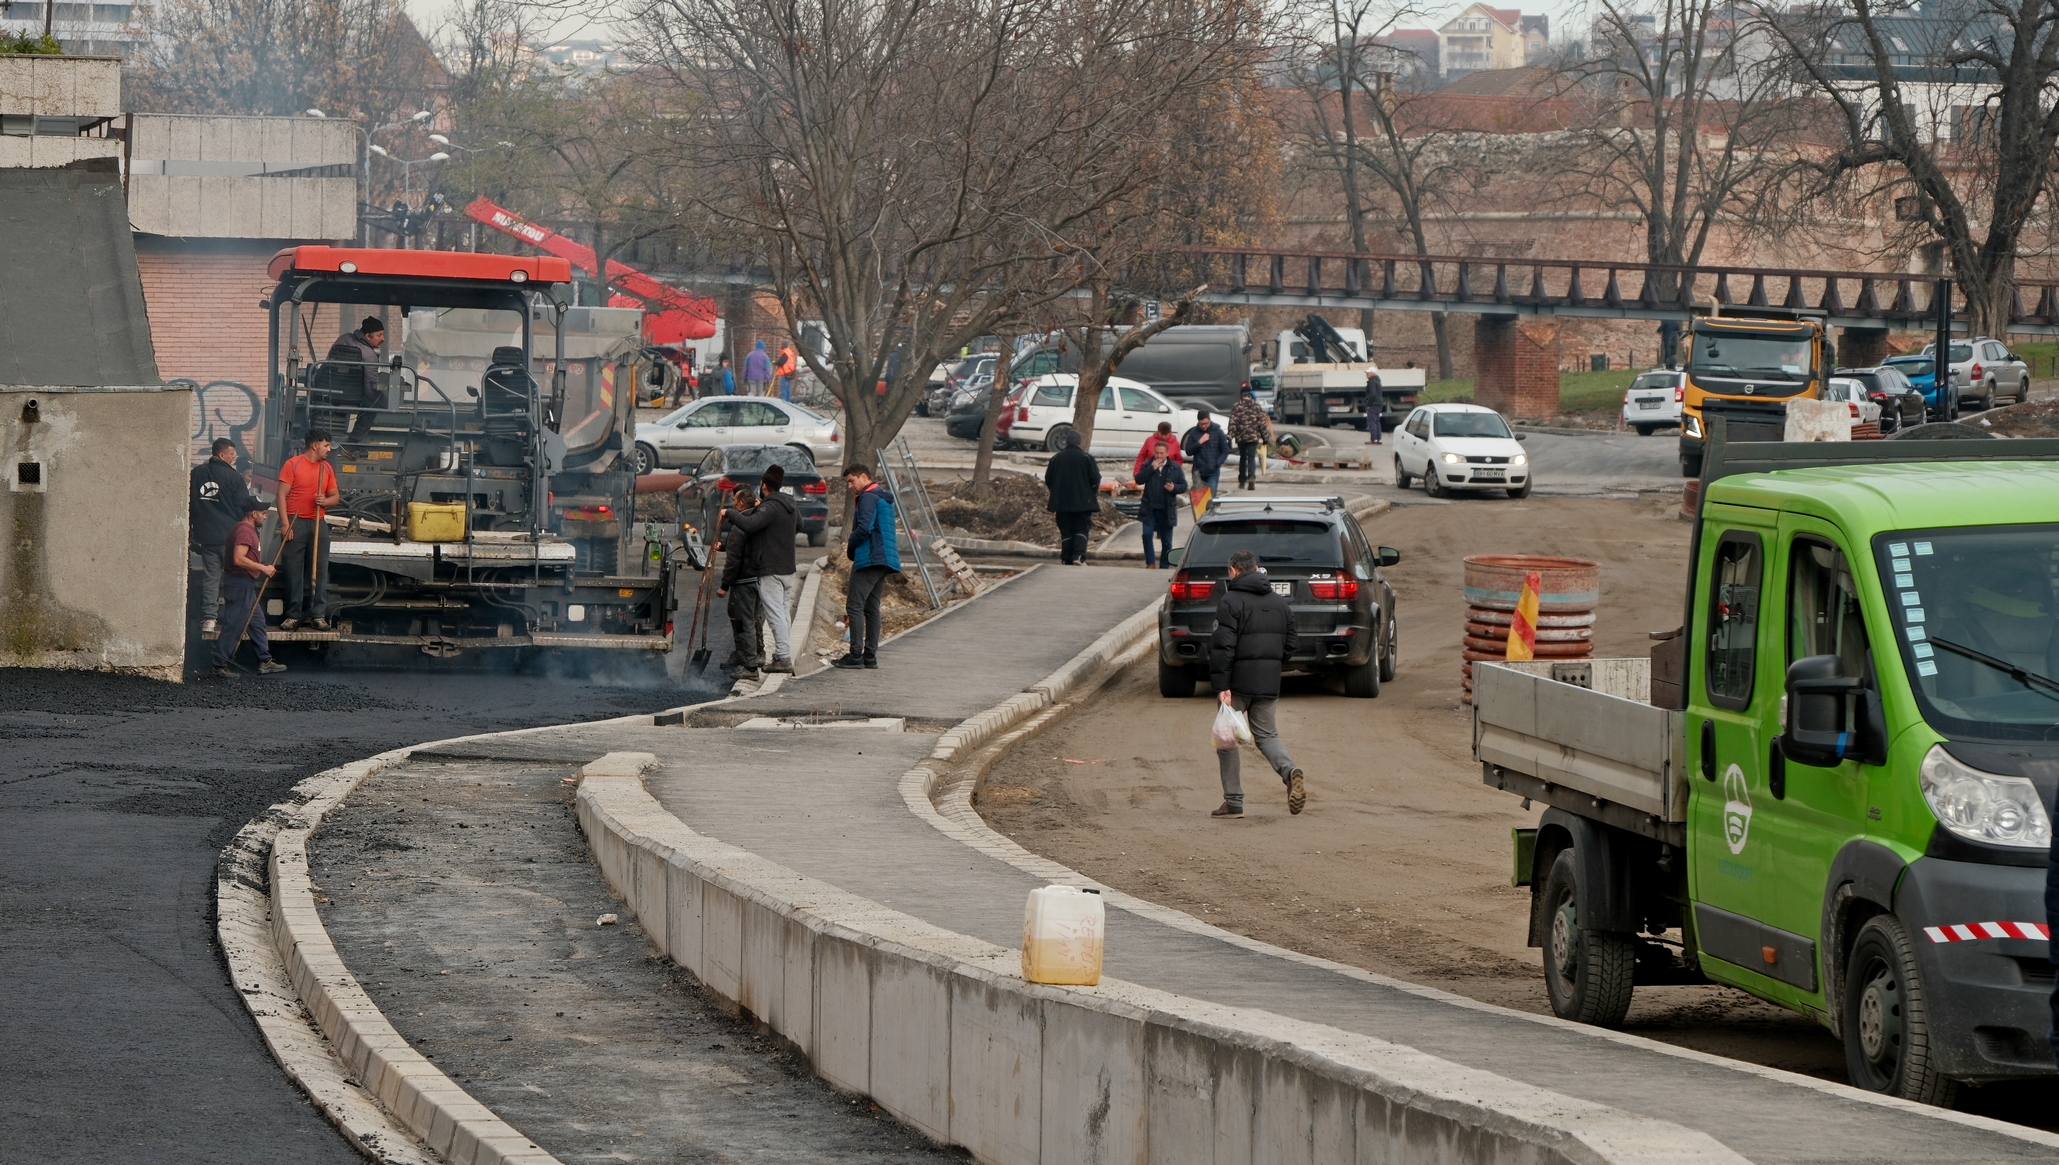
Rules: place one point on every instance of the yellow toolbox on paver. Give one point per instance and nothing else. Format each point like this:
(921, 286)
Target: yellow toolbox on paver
(436, 522)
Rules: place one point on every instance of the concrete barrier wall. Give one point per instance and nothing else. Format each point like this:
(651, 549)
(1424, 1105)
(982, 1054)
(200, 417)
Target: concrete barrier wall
(941, 1030)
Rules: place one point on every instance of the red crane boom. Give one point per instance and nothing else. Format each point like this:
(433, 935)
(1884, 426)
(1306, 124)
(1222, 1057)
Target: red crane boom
(671, 315)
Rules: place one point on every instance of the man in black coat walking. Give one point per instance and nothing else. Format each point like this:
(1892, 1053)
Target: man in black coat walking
(216, 499)
(1075, 484)
(1254, 635)
(771, 526)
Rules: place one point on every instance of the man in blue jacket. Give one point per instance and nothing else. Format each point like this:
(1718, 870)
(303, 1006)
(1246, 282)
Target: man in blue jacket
(875, 553)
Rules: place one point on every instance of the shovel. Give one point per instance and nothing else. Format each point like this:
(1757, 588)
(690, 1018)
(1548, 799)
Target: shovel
(698, 664)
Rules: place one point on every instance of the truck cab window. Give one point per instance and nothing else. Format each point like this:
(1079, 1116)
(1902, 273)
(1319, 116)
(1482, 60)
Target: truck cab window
(1823, 608)
(1734, 618)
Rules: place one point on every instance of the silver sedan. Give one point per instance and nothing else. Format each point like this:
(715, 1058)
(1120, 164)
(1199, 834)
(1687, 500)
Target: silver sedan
(684, 436)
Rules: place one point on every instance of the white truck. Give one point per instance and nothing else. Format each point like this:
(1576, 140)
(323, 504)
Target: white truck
(1322, 374)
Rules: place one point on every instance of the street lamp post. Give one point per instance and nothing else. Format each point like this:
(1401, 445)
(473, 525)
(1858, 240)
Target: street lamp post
(364, 170)
(472, 232)
(407, 180)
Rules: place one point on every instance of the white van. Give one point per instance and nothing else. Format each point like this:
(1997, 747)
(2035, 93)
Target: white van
(1128, 412)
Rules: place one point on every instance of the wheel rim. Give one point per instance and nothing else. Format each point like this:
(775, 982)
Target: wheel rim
(1400, 478)
(1878, 1021)
(1565, 947)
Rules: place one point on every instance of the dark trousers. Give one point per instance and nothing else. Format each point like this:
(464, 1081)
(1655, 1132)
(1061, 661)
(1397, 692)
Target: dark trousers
(242, 592)
(1247, 463)
(307, 580)
(1373, 423)
(1160, 524)
(744, 629)
(861, 607)
(1073, 529)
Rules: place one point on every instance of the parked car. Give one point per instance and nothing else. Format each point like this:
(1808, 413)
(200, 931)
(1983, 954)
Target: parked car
(1983, 369)
(684, 436)
(1653, 400)
(1854, 396)
(1311, 550)
(1942, 406)
(1901, 402)
(1263, 389)
(1128, 411)
(1460, 447)
(958, 376)
(727, 468)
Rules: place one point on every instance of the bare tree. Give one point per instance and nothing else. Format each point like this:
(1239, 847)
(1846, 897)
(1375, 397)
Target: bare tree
(1951, 112)
(915, 172)
(1680, 114)
(349, 58)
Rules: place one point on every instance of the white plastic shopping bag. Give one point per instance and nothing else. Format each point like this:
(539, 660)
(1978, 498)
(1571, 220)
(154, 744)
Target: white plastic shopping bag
(1229, 728)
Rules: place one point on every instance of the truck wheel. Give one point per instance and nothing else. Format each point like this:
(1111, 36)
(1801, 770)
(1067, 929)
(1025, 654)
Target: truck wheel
(1401, 478)
(1054, 438)
(1390, 659)
(1363, 682)
(1886, 1024)
(1175, 683)
(646, 460)
(1588, 974)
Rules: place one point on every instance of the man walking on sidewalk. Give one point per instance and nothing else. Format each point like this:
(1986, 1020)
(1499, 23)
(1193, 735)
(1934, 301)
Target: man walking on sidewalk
(307, 487)
(1158, 511)
(1249, 428)
(1206, 451)
(214, 505)
(875, 552)
(1075, 484)
(245, 568)
(1254, 635)
(771, 525)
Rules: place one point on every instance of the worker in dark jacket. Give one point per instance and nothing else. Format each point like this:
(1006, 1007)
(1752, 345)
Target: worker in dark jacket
(1075, 484)
(216, 499)
(1158, 512)
(359, 353)
(771, 526)
(1254, 636)
(739, 585)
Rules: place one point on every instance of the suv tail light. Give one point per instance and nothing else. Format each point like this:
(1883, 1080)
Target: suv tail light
(815, 487)
(1345, 587)
(1976, 370)
(1679, 394)
(1185, 588)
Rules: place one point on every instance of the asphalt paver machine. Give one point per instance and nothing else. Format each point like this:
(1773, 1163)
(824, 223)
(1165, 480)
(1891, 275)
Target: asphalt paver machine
(486, 503)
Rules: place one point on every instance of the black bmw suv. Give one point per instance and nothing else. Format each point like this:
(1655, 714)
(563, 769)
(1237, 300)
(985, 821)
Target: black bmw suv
(1313, 552)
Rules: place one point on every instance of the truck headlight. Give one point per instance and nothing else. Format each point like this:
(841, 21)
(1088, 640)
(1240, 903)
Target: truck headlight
(1453, 459)
(1983, 807)
(1692, 426)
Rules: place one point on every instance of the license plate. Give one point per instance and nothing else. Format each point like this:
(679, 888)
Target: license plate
(1283, 588)
(1647, 404)
(1487, 475)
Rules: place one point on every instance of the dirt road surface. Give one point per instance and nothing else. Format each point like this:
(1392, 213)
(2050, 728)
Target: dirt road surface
(1401, 862)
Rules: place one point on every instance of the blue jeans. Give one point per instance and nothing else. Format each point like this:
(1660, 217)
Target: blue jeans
(786, 388)
(1210, 479)
(1161, 525)
(242, 615)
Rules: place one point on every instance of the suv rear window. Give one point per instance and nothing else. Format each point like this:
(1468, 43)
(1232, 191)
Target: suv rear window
(1276, 541)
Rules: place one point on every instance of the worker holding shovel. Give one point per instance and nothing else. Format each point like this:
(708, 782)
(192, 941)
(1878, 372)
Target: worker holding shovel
(307, 487)
(240, 578)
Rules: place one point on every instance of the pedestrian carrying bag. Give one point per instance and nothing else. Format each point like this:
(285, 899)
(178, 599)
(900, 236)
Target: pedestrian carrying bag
(1230, 727)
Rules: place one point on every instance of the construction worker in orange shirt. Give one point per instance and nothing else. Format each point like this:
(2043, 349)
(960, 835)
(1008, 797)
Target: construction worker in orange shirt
(307, 488)
(789, 363)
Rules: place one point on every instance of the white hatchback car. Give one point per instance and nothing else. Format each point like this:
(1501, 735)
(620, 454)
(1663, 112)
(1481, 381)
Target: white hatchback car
(1843, 388)
(684, 436)
(1654, 399)
(1127, 413)
(1460, 447)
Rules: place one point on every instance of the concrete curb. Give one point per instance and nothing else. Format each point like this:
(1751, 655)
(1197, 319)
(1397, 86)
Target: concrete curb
(941, 1031)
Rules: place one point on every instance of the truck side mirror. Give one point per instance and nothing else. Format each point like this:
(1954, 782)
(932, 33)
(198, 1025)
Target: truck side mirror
(1831, 718)
(1389, 556)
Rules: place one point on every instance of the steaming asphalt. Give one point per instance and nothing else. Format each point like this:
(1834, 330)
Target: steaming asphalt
(123, 1038)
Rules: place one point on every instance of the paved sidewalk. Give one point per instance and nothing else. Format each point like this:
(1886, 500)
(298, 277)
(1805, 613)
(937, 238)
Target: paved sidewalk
(827, 803)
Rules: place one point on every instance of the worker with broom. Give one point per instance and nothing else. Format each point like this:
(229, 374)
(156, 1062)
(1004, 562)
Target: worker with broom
(307, 487)
(240, 578)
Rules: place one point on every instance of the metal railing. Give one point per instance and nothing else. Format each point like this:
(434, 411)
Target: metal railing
(904, 477)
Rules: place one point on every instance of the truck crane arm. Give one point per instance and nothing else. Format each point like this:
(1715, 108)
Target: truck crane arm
(675, 314)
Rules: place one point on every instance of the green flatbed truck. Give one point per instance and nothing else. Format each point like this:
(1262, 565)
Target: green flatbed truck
(1830, 787)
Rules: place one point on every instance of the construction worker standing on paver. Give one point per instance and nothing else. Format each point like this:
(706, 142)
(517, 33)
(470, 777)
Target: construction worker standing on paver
(307, 488)
(1254, 636)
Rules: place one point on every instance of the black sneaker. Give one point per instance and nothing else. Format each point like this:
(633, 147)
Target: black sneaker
(871, 660)
(849, 661)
